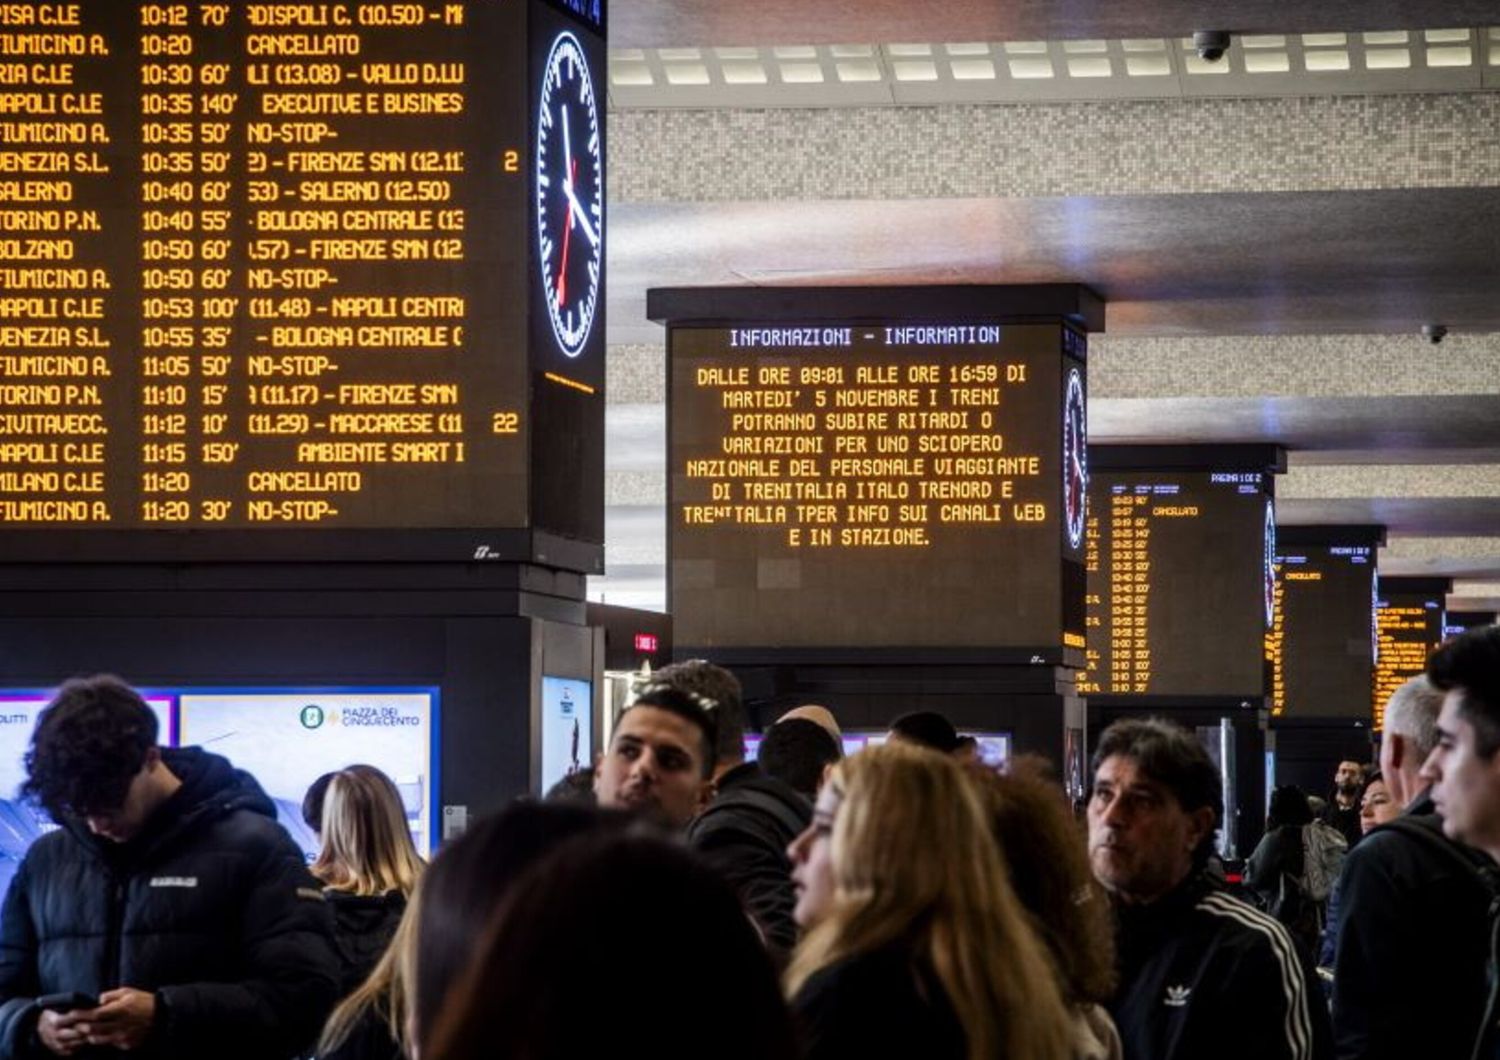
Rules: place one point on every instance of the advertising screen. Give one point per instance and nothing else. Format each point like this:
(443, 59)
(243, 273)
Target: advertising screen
(567, 728)
(20, 822)
(287, 739)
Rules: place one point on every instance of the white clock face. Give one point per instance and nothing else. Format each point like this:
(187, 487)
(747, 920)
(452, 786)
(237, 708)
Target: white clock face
(569, 194)
(1075, 458)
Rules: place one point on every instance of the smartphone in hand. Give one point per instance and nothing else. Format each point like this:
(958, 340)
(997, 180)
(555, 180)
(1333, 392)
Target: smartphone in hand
(67, 1002)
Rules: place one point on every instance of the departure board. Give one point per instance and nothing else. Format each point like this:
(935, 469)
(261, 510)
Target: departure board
(281, 266)
(1322, 642)
(1409, 628)
(1179, 588)
(876, 485)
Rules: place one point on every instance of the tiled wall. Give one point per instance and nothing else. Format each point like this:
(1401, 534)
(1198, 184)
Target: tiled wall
(1018, 150)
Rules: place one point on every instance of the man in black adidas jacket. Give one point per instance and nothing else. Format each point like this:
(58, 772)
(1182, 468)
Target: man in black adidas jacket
(1202, 974)
(170, 893)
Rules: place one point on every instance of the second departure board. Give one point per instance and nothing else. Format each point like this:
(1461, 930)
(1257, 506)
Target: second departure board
(877, 485)
(1322, 645)
(1409, 628)
(273, 266)
(1179, 582)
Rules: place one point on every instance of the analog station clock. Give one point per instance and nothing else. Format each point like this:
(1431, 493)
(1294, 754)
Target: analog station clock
(1075, 458)
(1269, 573)
(569, 194)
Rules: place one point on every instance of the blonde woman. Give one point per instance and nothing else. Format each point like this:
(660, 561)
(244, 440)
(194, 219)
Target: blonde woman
(916, 944)
(368, 866)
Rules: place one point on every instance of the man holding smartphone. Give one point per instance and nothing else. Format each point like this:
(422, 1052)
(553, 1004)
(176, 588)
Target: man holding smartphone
(170, 914)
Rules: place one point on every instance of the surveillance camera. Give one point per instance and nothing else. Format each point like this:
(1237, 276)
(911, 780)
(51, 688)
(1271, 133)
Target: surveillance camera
(1434, 333)
(1211, 44)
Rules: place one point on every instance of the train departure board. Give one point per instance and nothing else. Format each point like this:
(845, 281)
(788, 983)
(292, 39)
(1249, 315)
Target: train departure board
(1322, 645)
(281, 267)
(1409, 628)
(1179, 590)
(877, 484)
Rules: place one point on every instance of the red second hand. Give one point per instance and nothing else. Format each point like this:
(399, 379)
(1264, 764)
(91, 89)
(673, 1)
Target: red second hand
(562, 270)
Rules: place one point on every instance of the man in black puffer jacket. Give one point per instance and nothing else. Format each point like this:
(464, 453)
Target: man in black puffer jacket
(170, 893)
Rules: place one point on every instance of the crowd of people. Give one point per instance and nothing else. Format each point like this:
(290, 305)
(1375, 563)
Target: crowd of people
(904, 901)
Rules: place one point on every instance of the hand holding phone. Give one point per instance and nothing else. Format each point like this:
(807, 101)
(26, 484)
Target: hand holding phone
(67, 1001)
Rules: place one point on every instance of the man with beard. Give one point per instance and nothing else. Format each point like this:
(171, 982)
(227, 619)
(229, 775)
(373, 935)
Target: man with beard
(1343, 809)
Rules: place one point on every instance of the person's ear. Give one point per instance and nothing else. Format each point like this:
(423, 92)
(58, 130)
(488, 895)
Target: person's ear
(827, 772)
(153, 759)
(1200, 824)
(706, 792)
(1398, 749)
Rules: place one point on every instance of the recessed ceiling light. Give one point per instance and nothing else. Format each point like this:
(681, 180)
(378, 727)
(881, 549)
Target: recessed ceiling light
(1026, 47)
(1194, 65)
(851, 51)
(1387, 59)
(1395, 36)
(1143, 44)
(914, 70)
(1085, 47)
(1147, 65)
(971, 48)
(1030, 69)
(857, 71)
(686, 74)
(795, 51)
(1325, 40)
(1326, 61)
(630, 74)
(1267, 62)
(744, 74)
(801, 73)
(737, 53)
(908, 51)
(1264, 40)
(673, 55)
(972, 70)
(1450, 56)
(1098, 67)
(1446, 36)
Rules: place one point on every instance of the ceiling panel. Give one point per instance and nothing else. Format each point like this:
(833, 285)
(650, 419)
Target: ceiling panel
(657, 23)
(1222, 264)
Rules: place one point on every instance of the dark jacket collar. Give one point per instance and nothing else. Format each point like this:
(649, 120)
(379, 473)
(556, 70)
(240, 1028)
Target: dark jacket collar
(211, 788)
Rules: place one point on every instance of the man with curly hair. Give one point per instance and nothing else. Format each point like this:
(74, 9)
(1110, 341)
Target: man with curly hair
(169, 902)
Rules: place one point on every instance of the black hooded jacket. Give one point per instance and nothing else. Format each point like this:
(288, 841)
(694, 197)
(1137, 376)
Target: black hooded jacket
(211, 907)
(362, 929)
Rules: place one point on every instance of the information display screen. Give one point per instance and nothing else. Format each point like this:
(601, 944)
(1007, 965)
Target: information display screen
(277, 266)
(1409, 628)
(875, 485)
(1180, 586)
(287, 739)
(1322, 644)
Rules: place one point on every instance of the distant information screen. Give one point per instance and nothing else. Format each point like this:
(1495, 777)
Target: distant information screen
(1322, 644)
(269, 265)
(1409, 628)
(871, 485)
(1179, 583)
